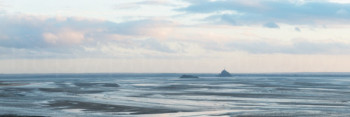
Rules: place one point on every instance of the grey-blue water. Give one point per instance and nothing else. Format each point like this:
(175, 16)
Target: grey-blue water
(243, 95)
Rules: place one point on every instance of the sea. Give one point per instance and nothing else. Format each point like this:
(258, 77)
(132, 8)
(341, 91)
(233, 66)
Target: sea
(168, 95)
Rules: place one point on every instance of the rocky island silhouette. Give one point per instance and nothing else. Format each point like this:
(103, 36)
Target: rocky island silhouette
(188, 76)
(224, 73)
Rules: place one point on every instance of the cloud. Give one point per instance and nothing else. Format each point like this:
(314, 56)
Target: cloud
(301, 46)
(150, 27)
(64, 36)
(155, 2)
(222, 19)
(28, 36)
(271, 25)
(260, 11)
(136, 5)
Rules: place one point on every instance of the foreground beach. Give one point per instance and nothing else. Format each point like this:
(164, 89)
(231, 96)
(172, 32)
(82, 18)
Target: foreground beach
(105, 95)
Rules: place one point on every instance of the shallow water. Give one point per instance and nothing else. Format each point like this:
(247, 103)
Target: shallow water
(243, 95)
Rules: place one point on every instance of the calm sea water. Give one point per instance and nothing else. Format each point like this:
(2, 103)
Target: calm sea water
(243, 95)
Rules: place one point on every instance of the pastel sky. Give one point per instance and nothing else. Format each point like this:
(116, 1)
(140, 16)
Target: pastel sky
(174, 36)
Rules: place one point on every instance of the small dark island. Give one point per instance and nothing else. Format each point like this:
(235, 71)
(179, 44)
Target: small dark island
(224, 73)
(188, 76)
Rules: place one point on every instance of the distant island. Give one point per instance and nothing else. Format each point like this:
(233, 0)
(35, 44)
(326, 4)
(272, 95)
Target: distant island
(224, 73)
(188, 76)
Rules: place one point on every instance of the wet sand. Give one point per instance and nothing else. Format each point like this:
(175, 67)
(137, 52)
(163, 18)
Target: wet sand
(19, 116)
(91, 106)
(12, 84)
(252, 96)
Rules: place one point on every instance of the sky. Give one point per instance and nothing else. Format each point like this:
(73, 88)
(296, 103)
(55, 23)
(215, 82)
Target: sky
(174, 36)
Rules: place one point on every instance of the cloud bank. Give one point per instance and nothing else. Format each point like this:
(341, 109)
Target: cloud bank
(40, 36)
(57, 36)
(245, 12)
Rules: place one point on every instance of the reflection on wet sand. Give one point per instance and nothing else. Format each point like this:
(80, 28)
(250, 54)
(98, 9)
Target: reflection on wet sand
(12, 84)
(91, 106)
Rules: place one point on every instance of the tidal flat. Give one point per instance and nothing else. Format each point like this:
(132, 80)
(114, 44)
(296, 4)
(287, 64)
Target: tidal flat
(106, 95)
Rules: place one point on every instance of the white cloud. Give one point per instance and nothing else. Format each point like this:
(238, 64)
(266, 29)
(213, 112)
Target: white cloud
(37, 34)
(340, 1)
(64, 37)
